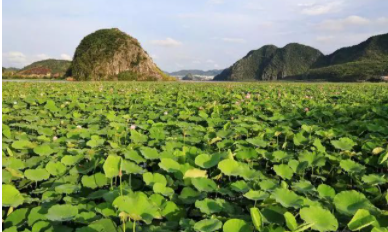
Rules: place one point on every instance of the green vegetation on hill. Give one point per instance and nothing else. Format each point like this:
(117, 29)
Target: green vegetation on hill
(365, 61)
(110, 54)
(55, 66)
(50, 68)
(272, 63)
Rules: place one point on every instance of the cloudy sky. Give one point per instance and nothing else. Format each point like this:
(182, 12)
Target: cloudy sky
(187, 34)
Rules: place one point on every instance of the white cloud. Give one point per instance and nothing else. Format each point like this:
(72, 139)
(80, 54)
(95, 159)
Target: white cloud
(341, 24)
(210, 61)
(41, 57)
(65, 57)
(234, 40)
(168, 42)
(320, 9)
(15, 58)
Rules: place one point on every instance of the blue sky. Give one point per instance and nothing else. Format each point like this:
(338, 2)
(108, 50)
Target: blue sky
(187, 34)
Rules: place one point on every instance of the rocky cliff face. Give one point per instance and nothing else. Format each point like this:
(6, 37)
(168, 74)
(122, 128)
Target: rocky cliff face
(110, 54)
(272, 63)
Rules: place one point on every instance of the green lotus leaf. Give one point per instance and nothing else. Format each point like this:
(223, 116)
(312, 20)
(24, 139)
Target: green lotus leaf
(208, 161)
(169, 165)
(44, 150)
(351, 166)
(55, 168)
(189, 195)
(37, 214)
(321, 219)
(299, 139)
(256, 195)
(38, 174)
(312, 159)
(172, 212)
(153, 178)
(325, 191)
(149, 153)
(50, 105)
(303, 186)
(268, 185)
(280, 156)
(16, 218)
(112, 166)
(134, 156)
(379, 229)
(162, 189)
(195, 173)
(67, 188)
(229, 167)
(348, 202)
(208, 225)
(137, 137)
(374, 179)
(62, 213)
(258, 142)
(95, 141)
(344, 144)
(22, 145)
(290, 221)
(209, 206)
(11, 229)
(247, 154)
(71, 160)
(256, 218)
(86, 217)
(240, 186)
(236, 225)
(94, 181)
(106, 209)
(204, 184)
(287, 198)
(138, 207)
(284, 171)
(102, 225)
(361, 219)
(131, 168)
(14, 163)
(273, 215)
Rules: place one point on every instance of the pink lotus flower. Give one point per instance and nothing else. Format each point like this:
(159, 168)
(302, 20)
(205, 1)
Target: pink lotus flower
(133, 127)
(55, 138)
(306, 109)
(248, 96)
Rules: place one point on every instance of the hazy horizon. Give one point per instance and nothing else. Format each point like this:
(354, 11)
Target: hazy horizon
(205, 34)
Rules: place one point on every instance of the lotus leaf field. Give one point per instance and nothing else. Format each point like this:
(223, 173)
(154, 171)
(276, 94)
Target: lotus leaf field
(231, 157)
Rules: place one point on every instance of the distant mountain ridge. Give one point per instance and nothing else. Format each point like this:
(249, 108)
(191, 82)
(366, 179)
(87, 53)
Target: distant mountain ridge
(50, 68)
(182, 73)
(272, 63)
(365, 61)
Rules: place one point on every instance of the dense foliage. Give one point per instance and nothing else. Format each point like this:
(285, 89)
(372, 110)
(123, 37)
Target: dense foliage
(194, 157)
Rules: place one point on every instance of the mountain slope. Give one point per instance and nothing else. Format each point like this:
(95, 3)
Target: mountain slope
(110, 54)
(45, 68)
(272, 63)
(365, 61)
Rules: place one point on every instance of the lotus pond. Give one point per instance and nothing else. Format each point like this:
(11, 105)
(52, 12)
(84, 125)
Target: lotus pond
(232, 157)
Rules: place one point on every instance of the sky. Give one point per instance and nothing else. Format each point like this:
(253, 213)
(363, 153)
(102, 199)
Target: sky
(187, 34)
